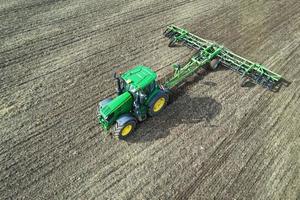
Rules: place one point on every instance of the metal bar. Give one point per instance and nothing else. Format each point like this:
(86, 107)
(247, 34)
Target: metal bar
(193, 65)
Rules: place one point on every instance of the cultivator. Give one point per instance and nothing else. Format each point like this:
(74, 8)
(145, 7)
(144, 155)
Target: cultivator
(210, 52)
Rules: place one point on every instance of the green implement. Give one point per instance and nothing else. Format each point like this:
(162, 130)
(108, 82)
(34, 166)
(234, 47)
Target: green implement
(209, 51)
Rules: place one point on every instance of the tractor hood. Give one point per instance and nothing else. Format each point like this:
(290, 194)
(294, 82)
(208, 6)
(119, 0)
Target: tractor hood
(115, 104)
(110, 112)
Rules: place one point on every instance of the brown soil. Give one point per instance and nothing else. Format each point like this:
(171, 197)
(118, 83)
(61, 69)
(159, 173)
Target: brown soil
(217, 140)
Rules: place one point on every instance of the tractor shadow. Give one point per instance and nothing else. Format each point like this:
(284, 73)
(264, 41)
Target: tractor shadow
(182, 109)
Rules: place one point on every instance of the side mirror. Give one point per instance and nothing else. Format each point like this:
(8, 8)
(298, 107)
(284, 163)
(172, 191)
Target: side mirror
(142, 97)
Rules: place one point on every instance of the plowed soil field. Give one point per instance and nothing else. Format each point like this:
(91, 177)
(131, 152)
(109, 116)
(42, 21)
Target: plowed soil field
(217, 140)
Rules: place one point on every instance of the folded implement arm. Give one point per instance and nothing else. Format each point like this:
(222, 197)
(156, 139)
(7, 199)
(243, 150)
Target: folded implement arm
(207, 51)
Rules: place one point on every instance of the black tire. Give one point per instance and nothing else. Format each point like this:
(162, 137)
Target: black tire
(162, 96)
(121, 125)
(172, 42)
(214, 64)
(167, 33)
(245, 81)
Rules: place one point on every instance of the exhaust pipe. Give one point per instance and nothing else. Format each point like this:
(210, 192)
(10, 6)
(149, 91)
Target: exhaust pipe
(117, 78)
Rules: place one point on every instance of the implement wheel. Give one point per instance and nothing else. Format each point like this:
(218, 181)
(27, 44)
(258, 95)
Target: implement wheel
(245, 82)
(214, 63)
(172, 42)
(158, 103)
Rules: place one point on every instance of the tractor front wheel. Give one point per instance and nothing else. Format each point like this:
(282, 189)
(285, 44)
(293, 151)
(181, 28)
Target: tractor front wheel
(124, 127)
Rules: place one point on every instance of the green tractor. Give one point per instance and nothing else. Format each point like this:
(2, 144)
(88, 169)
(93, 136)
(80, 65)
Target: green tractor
(138, 96)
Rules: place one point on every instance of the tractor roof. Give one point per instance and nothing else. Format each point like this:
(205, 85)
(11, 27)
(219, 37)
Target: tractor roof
(139, 77)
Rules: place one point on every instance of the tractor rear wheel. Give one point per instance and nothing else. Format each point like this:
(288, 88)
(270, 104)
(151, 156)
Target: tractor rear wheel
(124, 127)
(158, 103)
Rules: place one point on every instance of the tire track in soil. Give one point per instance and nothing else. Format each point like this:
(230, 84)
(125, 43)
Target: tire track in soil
(261, 148)
(218, 156)
(106, 27)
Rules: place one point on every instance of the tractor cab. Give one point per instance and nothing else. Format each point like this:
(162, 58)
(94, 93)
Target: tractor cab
(140, 82)
(139, 79)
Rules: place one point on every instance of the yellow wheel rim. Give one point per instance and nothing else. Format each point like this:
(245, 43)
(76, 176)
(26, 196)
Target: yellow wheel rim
(126, 130)
(159, 104)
